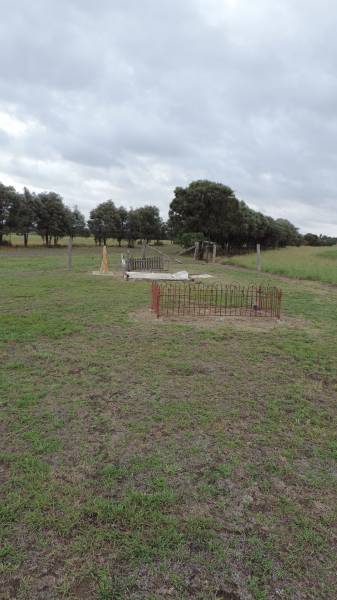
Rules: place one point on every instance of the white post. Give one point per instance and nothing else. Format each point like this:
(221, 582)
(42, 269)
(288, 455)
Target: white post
(258, 257)
(70, 250)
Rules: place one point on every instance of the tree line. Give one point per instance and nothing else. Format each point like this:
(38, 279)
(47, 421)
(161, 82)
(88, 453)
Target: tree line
(204, 210)
(108, 222)
(211, 211)
(46, 214)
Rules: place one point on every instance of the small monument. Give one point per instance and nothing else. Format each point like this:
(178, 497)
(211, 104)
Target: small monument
(105, 261)
(104, 269)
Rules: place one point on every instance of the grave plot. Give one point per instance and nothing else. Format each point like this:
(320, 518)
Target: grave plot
(202, 300)
(147, 263)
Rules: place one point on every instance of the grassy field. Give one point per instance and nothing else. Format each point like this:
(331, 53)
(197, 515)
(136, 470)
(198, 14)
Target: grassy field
(36, 240)
(145, 459)
(305, 262)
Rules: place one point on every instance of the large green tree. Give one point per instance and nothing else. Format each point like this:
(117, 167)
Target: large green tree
(77, 224)
(132, 230)
(51, 217)
(21, 219)
(212, 211)
(150, 223)
(121, 224)
(311, 239)
(288, 234)
(8, 196)
(208, 208)
(103, 222)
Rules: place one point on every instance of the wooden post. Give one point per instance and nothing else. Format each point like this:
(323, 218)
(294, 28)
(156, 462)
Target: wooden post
(105, 261)
(258, 257)
(195, 251)
(70, 251)
(143, 249)
(207, 252)
(214, 253)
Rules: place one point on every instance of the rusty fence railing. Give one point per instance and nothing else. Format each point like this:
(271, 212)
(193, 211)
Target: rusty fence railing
(148, 263)
(204, 300)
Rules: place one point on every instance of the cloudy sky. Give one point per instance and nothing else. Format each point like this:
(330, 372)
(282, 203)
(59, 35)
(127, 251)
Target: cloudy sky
(126, 99)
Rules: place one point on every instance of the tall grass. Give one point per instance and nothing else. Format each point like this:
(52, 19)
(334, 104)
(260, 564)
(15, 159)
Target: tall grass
(305, 262)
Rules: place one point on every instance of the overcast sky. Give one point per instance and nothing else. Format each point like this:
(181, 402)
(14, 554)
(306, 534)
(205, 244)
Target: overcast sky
(126, 99)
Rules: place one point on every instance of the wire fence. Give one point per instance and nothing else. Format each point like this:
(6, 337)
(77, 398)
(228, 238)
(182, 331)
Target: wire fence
(204, 300)
(149, 263)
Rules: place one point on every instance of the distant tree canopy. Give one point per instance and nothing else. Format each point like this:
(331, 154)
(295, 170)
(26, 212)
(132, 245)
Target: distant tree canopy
(44, 214)
(208, 208)
(51, 217)
(149, 223)
(132, 227)
(203, 211)
(103, 222)
(311, 239)
(212, 210)
(121, 224)
(21, 215)
(108, 222)
(77, 224)
(7, 199)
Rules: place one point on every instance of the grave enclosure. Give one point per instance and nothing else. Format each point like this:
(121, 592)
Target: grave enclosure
(148, 263)
(203, 300)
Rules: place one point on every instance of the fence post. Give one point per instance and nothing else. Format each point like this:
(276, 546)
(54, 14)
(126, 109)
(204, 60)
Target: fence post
(214, 253)
(207, 252)
(279, 304)
(157, 301)
(152, 295)
(70, 250)
(258, 257)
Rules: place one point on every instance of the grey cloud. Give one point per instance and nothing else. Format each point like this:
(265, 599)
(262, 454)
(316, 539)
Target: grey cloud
(130, 99)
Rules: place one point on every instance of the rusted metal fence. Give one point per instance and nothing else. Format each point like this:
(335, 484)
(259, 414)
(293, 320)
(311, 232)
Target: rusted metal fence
(149, 263)
(203, 300)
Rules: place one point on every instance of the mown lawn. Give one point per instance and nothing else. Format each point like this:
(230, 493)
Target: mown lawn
(305, 262)
(146, 459)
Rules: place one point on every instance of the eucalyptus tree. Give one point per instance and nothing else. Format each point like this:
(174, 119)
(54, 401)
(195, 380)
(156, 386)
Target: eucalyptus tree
(103, 222)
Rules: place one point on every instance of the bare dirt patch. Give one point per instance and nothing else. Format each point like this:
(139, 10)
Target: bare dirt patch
(214, 322)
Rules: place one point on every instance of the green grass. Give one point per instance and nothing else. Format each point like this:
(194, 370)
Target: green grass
(36, 240)
(305, 262)
(143, 459)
